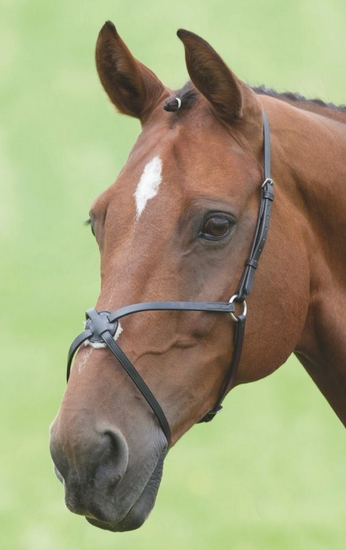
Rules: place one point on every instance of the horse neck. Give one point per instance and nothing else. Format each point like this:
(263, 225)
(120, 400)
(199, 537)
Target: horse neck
(312, 160)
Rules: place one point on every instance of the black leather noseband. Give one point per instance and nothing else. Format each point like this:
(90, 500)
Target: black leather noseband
(101, 327)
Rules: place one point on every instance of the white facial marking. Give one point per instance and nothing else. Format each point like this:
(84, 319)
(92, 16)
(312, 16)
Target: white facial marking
(148, 185)
(100, 345)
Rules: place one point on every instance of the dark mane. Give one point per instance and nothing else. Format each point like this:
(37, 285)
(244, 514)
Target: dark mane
(189, 95)
(297, 98)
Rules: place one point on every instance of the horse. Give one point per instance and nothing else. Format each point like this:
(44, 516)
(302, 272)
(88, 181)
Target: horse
(180, 223)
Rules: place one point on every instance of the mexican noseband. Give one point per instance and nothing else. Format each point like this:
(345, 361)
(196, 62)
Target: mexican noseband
(101, 327)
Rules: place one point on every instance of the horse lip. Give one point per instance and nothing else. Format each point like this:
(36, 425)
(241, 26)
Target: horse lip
(132, 520)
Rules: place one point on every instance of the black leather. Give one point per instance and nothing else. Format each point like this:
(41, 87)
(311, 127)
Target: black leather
(101, 326)
(261, 233)
(215, 307)
(141, 385)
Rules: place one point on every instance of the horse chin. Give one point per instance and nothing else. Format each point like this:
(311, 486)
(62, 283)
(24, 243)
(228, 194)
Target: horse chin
(142, 507)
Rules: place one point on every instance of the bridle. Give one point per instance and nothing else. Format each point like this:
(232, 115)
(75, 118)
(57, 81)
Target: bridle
(101, 326)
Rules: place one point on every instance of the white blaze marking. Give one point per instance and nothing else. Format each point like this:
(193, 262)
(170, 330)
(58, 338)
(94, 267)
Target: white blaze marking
(148, 185)
(99, 345)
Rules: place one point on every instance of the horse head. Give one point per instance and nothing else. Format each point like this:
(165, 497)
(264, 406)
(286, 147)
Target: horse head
(178, 225)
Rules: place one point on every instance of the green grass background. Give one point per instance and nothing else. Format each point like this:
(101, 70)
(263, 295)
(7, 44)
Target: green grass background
(270, 472)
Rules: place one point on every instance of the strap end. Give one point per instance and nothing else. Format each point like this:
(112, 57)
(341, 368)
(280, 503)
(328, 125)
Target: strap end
(210, 415)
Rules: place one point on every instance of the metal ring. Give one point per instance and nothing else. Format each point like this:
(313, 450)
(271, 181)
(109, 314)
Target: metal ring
(234, 317)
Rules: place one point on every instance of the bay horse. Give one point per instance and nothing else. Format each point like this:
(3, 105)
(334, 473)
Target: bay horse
(179, 224)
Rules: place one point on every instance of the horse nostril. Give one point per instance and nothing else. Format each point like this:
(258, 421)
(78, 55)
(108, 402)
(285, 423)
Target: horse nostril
(97, 458)
(112, 464)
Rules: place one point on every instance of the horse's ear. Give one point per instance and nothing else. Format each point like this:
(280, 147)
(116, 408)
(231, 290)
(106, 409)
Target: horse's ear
(230, 98)
(131, 86)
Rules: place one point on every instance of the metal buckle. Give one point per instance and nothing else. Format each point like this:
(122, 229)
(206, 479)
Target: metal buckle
(234, 317)
(267, 181)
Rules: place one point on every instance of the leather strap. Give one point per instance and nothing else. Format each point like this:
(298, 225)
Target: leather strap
(261, 233)
(238, 340)
(141, 385)
(262, 226)
(215, 307)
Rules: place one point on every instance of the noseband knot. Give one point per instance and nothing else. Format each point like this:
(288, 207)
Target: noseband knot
(98, 323)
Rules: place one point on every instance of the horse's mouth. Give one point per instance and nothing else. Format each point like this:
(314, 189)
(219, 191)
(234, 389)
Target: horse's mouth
(141, 508)
(110, 510)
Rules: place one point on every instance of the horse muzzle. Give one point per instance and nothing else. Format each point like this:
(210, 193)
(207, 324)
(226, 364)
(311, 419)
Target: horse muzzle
(101, 483)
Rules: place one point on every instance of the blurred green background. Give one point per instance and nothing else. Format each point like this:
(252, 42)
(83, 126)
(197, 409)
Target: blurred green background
(270, 472)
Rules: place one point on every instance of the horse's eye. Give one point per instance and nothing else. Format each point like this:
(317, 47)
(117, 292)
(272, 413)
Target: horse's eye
(216, 227)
